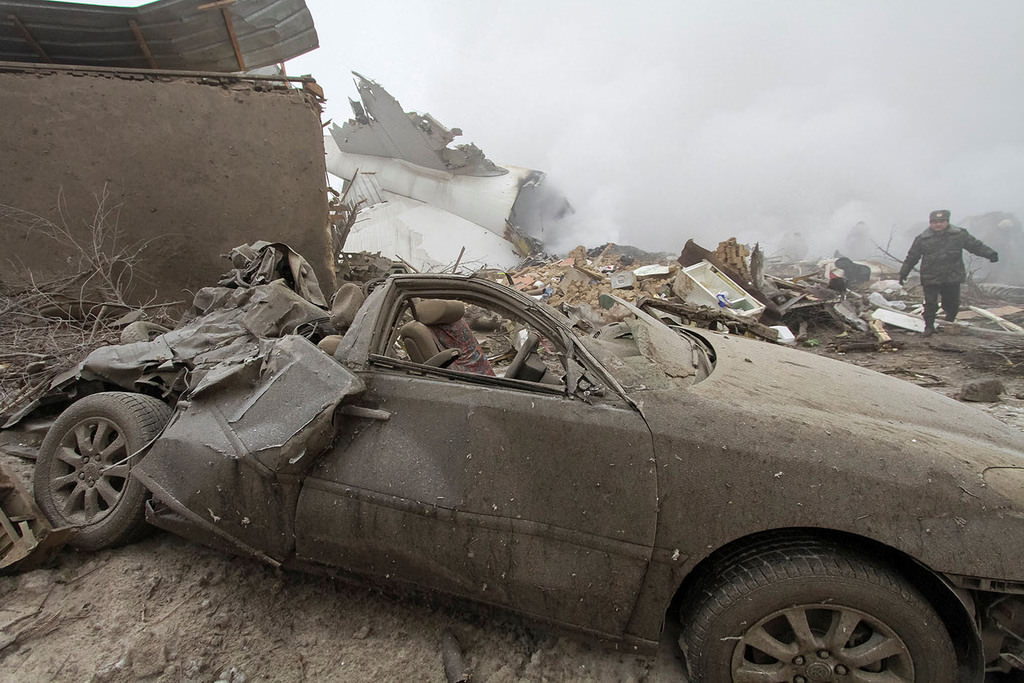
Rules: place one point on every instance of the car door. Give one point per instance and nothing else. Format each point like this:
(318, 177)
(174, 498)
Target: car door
(503, 491)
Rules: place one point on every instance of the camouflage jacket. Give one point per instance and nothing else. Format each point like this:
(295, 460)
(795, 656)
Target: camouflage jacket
(940, 254)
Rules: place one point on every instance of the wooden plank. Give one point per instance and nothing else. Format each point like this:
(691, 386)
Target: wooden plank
(789, 304)
(1002, 322)
(29, 38)
(455, 268)
(215, 5)
(878, 327)
(226, 13)
(1001, 311)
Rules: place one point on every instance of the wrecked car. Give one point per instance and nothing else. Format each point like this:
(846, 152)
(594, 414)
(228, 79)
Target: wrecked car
(806, 519)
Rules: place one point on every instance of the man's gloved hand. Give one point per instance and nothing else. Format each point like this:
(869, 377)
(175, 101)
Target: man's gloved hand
(994, 258)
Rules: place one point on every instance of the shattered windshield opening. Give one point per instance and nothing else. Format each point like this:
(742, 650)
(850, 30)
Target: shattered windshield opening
(469, 335)
(643, 353)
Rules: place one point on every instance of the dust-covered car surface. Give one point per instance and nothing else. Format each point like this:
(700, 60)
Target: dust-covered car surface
(806, 520)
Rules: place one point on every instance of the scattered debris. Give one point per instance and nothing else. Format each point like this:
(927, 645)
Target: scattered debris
(27, 540)
(1003, 323)
(981, 391)
(434, 205)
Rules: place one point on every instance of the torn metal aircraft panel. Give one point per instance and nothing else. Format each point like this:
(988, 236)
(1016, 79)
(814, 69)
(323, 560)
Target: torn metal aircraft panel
(427, 237)
(410, 156)
(169, 34)
(486, 201)
(380, 128)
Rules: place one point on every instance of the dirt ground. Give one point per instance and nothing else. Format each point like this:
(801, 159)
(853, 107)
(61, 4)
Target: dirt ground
(168, 610)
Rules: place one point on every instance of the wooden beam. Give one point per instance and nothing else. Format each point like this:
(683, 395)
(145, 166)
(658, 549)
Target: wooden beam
(878, 327)
(215, 5)
(141, 40)
(234, 39)
(27, 35)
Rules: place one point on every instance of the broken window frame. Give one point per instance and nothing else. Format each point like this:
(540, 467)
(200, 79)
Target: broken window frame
(585, 378)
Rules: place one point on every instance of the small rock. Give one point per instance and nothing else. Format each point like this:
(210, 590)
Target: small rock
(147, 656)
(38, 581)
(231, 674)
(108, 672)
(362, 633)
(981, 391)
(193, 668)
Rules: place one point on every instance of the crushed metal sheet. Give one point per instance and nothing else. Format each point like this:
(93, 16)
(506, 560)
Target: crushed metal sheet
(390, 156)
(27, 540)
(168, 34)
(381, 128)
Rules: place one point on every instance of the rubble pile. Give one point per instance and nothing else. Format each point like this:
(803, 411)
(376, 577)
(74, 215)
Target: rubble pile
(855, 303)
(841, 305)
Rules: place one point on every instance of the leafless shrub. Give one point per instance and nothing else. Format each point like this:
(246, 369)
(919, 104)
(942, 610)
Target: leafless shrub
(47, 325)
(103, 267)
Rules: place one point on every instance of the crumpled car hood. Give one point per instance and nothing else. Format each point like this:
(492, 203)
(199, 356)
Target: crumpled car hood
(829, 392)
(777, 438)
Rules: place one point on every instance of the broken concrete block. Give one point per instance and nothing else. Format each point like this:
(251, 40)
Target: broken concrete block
(624, 280)
(571, 276)
(786, 335)
(981, 391)
(897, 319)
(845, 312)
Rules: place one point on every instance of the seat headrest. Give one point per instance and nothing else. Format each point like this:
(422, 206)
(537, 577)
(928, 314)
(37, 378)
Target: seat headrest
(438, 311)
(345, 305)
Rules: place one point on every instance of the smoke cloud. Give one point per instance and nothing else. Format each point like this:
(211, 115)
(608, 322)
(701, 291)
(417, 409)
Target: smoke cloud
(663, 121)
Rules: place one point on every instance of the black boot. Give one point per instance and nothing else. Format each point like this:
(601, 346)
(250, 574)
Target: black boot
(929, 328)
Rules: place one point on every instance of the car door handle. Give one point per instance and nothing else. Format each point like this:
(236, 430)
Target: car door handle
(366, 413)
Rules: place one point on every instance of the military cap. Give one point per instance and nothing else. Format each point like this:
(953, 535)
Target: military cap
(939, 215)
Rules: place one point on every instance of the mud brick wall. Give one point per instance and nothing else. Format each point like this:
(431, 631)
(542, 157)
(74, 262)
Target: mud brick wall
(192, 167)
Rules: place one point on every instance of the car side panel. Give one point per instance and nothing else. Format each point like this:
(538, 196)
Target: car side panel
(519, 498)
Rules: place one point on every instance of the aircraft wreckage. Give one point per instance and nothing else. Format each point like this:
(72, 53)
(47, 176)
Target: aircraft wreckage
(432, 204)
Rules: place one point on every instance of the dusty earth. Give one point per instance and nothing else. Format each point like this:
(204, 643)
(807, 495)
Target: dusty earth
(168, 610)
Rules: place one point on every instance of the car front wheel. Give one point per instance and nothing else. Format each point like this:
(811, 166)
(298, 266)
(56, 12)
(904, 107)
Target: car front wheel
(82, 474)
(806, 611)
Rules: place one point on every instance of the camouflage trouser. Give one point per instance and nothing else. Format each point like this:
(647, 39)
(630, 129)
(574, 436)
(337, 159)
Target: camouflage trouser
(950, 294)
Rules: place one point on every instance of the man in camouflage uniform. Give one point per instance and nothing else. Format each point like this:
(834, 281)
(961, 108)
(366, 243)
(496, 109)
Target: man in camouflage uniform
(940, 250)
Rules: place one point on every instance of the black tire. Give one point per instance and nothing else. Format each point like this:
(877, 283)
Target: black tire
(812, 611)
(142, 331)
(82, 471)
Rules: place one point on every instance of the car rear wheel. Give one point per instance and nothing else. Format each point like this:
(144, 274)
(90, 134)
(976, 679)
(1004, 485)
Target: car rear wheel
(82, 471)
(806, 611)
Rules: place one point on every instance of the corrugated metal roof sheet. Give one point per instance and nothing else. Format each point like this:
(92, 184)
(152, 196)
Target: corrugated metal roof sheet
(176, 34)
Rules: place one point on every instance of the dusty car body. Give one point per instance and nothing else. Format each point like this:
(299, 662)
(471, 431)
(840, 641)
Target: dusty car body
(811, 519)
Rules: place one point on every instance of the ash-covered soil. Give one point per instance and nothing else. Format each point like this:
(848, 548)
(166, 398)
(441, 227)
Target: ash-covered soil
(168, 610)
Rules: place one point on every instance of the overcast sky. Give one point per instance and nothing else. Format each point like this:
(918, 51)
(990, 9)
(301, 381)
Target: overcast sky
(668, 120)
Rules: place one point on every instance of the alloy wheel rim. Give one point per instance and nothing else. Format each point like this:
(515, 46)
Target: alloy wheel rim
(820, 642)
(91, 471)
